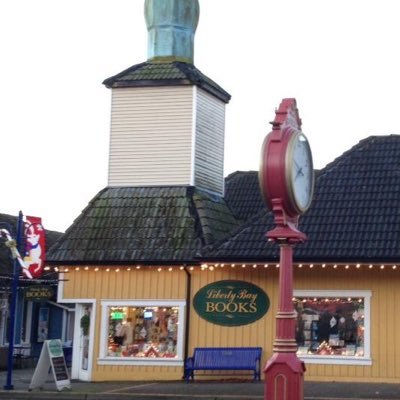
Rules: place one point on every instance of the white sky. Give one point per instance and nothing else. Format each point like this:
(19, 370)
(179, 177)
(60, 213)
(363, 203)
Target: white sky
(339, 59)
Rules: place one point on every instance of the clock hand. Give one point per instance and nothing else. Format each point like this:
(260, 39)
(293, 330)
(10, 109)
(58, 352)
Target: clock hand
(299, 172)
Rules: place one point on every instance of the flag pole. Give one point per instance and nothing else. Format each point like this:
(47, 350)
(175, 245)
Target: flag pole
(16, 270)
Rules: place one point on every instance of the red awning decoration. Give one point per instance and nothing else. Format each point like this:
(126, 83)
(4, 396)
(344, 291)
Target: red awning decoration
(35, 246)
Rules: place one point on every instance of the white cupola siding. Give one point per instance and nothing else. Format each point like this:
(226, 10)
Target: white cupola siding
(167, 117)
(166, 135)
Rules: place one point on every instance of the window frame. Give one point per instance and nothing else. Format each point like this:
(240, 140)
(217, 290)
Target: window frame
(335, 359)
(103, 359)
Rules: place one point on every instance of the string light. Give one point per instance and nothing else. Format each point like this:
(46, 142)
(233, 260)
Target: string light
(212, 267)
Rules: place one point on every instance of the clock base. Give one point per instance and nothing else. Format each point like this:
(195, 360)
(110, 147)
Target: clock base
(284, 377)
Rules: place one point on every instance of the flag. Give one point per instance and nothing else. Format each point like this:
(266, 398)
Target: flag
(35, 246)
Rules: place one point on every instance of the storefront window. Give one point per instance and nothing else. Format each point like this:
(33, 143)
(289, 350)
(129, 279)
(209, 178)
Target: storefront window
(139, 332)
(332, 325)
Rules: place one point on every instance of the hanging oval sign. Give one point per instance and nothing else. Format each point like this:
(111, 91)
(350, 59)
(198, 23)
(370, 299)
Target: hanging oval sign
(231, 303)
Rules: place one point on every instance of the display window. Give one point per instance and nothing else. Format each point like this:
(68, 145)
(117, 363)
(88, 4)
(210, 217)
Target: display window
(137, 331)
(333, 325)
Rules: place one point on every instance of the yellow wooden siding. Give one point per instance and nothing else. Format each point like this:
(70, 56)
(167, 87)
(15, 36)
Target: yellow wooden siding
(148, 283)
(151, 136)
(144, 283)
(385, 322)
(259, 333)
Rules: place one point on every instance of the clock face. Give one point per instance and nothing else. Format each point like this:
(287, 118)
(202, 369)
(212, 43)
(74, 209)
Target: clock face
(299, 171)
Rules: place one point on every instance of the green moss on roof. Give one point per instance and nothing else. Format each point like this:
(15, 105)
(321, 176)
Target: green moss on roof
(166, 73)
(146, 225)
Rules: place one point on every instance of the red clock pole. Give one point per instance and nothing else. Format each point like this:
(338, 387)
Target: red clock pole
(284, 372)
(287, 180)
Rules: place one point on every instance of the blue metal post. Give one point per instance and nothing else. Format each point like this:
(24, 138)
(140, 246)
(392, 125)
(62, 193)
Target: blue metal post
(16, 271)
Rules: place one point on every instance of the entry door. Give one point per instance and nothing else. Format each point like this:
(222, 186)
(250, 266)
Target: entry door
(82, 368)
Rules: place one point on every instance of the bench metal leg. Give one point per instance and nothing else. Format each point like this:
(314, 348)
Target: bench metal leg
(188, 375)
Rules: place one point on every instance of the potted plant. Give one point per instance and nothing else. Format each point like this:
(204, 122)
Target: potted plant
(85, 323)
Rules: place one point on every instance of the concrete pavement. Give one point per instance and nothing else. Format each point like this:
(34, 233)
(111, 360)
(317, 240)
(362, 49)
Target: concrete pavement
(179, 390)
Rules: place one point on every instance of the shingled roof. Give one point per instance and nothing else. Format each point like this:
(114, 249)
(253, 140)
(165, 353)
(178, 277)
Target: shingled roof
(124, 225)
(355, 214)
(242, 193)
(166, 73)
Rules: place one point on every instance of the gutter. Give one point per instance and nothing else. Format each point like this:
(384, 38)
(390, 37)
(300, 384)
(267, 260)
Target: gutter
(187, 316)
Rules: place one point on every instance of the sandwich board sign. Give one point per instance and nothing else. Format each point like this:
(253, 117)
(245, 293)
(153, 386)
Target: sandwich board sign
(51, 356)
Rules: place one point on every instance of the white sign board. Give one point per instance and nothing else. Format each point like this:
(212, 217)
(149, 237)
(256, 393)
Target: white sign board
(51, 356)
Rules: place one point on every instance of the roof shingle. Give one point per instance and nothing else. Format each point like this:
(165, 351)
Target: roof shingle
(146, 225)
(355, 212)
(166, 73)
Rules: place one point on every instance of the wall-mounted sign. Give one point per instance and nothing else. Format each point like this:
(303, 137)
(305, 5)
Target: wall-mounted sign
(39, 293)
(231, 303)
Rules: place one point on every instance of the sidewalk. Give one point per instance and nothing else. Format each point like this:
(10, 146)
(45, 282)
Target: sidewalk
(179, 390)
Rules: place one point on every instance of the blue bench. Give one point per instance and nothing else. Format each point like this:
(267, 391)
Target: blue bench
(224, 359)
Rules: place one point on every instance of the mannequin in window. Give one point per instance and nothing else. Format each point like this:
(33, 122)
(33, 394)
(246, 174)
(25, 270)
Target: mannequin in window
(118, 338)
(127, 332)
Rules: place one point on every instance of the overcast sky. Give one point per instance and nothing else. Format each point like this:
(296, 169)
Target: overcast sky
(339, 59)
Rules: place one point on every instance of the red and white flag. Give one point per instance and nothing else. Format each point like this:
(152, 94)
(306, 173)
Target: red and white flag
(35, 246)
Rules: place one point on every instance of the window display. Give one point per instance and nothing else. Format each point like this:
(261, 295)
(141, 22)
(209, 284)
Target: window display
(330, 326)
(142, 331)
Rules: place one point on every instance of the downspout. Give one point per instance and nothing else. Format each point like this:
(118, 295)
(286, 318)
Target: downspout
(187, 317)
